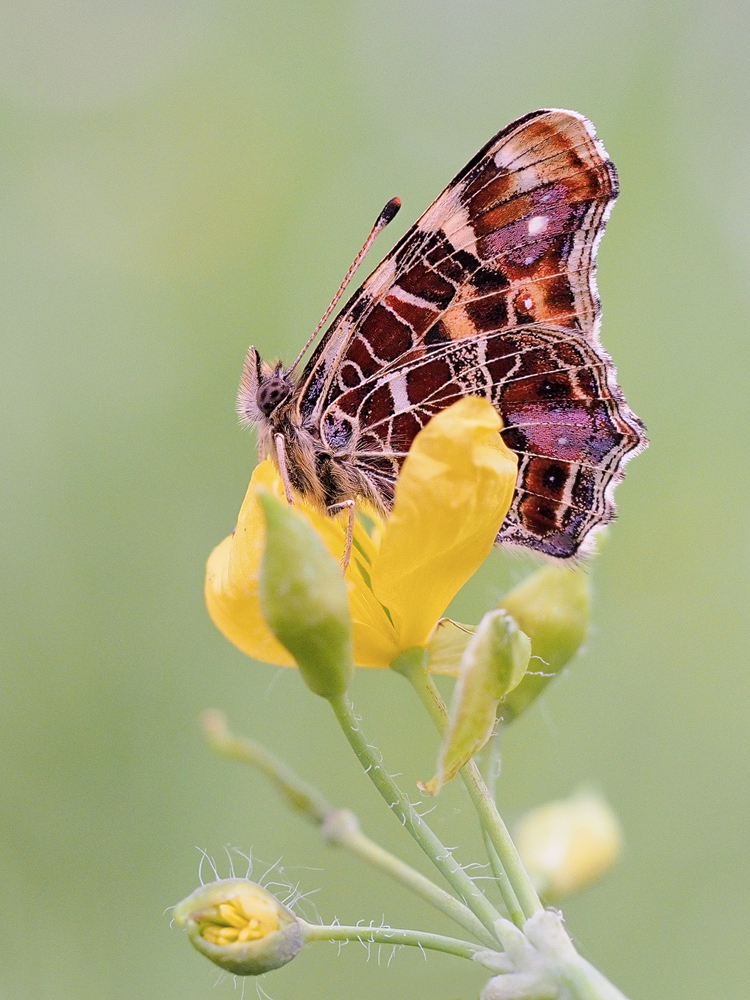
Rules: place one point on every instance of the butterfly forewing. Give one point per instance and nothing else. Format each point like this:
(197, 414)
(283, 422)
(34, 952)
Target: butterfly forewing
(492, 293)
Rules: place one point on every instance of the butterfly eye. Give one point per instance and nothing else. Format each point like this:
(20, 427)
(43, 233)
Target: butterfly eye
(271, 394)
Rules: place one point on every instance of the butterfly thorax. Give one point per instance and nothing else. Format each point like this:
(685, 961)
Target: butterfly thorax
(268, 400)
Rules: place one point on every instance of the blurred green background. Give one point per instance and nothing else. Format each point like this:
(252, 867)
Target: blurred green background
(179, 179)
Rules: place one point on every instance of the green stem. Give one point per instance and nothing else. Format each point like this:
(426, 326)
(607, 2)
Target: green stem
(410, 819)
(492, 772)
(585, 982)
(339, 827)
(503, 882)
(540, 956)
(298, 794)
(389, 935)
(522, 901)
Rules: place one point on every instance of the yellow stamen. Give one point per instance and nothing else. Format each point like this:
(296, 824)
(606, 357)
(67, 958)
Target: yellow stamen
(232, 914)
(245, 917)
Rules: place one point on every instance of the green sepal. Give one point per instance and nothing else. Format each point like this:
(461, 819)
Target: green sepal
(553, 607)
(492, 665)
(303, 598)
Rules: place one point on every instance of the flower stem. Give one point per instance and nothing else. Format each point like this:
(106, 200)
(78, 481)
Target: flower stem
(410, 819)
(518, 892)
(339, 827)
(503, 882)
(298, 793)
(586, 983)
(494, 762)
(388, 935)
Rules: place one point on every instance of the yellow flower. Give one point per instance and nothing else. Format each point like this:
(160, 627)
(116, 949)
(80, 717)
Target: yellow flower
(452, 495)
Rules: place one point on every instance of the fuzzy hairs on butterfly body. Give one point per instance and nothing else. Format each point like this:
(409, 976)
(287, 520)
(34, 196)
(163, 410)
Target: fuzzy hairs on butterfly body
(267, 400)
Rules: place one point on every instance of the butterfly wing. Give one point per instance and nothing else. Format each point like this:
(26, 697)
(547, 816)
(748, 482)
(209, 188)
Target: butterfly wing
(492, 292)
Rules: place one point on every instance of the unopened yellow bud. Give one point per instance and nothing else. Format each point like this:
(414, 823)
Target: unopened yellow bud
(553, 607)
(240, 926)
(569, 843)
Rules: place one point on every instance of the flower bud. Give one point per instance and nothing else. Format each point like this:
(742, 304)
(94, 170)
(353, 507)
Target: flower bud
(303, 598)
(492, 664)
(240, 926)
(553, 607)
(569, 843)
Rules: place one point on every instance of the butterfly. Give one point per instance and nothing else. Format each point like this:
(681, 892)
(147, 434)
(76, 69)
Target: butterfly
(491, 293)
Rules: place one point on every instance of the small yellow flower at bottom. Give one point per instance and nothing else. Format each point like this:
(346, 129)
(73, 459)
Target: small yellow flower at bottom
(452, 495)
(240, 926)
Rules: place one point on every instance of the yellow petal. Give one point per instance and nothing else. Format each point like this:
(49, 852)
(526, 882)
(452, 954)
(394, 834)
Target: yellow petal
(232, 581)
(452, 495)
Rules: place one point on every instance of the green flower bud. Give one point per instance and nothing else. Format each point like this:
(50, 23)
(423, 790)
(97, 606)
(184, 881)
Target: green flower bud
(493, 663)
(240, 926)
(303, 598)
(553, 607)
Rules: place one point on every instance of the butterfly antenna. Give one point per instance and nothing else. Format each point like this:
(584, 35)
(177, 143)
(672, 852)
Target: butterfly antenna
(386, 216)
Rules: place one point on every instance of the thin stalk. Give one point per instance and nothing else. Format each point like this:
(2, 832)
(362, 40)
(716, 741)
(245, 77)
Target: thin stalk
(503, 882)
(492, 770)
(297, 793)
(389, 935)
(494, 762)
(472, 779)
(524, 901)
(339, 827)
(410, 819)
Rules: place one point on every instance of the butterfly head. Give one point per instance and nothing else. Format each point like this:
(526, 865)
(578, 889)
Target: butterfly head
(263, 389)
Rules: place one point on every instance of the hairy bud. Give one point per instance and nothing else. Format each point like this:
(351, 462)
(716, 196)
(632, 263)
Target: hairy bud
(240, 926)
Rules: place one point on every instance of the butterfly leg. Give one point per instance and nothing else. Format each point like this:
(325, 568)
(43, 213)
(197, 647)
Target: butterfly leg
(351, 511)
(281, 459)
